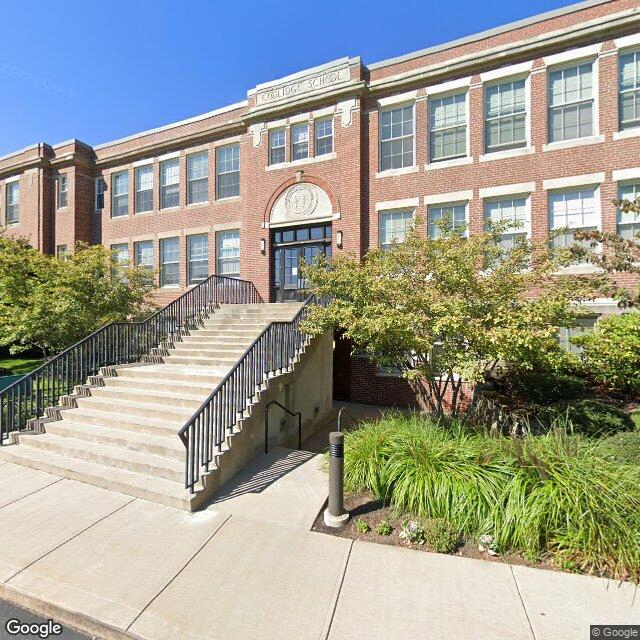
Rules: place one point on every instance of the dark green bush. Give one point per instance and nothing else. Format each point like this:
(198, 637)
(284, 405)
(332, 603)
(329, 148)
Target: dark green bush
(441, 536)
(546, 387)
(591, 418)
(621, 448)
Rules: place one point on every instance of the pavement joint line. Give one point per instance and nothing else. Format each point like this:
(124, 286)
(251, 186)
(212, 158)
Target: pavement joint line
(524, 606)
(186, 564)
(73, 537)
(337, 599)
(26, 495)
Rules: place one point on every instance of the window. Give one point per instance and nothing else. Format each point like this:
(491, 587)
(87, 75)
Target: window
(324, 136)
(62, 192)
(505, 116)
(571, 103)
(228, 172)
(396, 138)
(144, 189)
(511, 210)
(299, 141)
(169, 183)
(99, 193)
(573, 210)
(121, 252)
(13, 202)
(228, 253)
(198, 178)
(277, 141)
(583, 325)
(120, 197)
(169, 262)
(143, 251)
(448, 127)
(456, 213)
(630, 90)
(629, 223)
(61, 251)
(394, 226)
(198, 258)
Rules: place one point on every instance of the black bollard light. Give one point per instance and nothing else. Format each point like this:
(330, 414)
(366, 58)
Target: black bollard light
(334, 514)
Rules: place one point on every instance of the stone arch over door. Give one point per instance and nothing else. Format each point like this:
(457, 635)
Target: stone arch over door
(301, 201)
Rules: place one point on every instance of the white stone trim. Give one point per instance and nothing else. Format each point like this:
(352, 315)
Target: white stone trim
(169, 156)
(451, 85)
(224, 142)
(255, 130)
(302, 161)
(277, 124)
(11, 179)
(509, 153)
(398, 172)
(573, 181)
(505, 72)
(399, 98)
(452, 196)
(346, 109)
(163, 235)
(576, 142)
(142, 163)
(325, 111)
(300, 117)
(389, 205)
(627, 41)
(226, 226)
(275, 225)
(456, 162)
(571, 55)
(508, 190)
(626, 134)
(626, 174)
(146, 238)
(196, 231)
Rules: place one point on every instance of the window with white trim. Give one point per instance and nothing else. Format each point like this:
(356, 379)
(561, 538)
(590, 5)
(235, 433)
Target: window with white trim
(121, 252)
(505, 116)
(228, 172)
(143, 252)
(630, 90)
(62, 191)
(197, 258)
(144, 189)
(169, 262)
(228, 253)
(324, 136)
(277, 142)
(456, 213)
(629, 223)
(99, 189)
(396, 138)
(170, 183)
(514, 211)
(198, 177)
(575, 209)
(448, 127)
(62, 251)
(299, 141)
(582, 326)
(394, 226)
(13, 202)
(120, 194)
(571, 101)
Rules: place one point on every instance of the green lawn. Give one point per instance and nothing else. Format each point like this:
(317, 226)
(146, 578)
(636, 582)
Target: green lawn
(16, 366)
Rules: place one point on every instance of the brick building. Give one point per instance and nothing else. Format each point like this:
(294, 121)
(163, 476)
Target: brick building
(538, 121)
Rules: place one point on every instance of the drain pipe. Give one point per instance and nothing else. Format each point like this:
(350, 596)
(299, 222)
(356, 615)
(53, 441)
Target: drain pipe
(335, 515)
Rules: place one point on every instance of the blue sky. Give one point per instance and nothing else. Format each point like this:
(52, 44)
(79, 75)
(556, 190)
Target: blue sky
(100, 71)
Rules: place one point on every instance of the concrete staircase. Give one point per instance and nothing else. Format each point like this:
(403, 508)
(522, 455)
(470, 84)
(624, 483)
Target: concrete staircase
(120, 430)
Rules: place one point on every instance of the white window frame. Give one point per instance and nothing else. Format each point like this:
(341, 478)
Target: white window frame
(191, 281)
(527, 113)
(526, 229)
(444, 205)
(390, 212)
(121, 247)
(204, 179)
(62, 196)
(97, 193)
(115, 195)
(636, 89)
(321, 121)
(136, 253)
(222, 173)
(396, 107)
(137, 191)
(173, 162)
(632, 223)
(283, 146)
(219, 258)
(299, 126)
(12, 203)
(163, 283)
(439, 96)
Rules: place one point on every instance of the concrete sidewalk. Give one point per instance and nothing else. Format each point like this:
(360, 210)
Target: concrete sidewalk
(248, 567)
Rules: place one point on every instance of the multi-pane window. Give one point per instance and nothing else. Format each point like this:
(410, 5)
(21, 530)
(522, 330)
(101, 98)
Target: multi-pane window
(513, 211)
(571, 102)
(228, 253)
(299, 141)
(197, 258)
(324, 136)
(505, 116)
(565, 334)
(120, 194)
(396, 138)
(143, 251)
(228, 172)
(99, 186)
(144, 189)
(62, 251)
(198, 177)
(121, 252)
(13, 202)
(394, 226)
(62, 191)
(630, 90)
(573, 210)
(448, 127)
(629, 223)
(454, 214)
(277, 142)
(169, 262)
(169, 183)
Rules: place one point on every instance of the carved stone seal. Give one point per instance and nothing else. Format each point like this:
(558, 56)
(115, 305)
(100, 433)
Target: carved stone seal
(301, 200)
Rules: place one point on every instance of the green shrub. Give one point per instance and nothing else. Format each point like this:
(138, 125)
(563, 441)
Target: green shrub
(440, 536)
(546, 387)
(384, 528)
(362, 526)
(611, 352)
(412, 531)
(591, 418)
(621, 448)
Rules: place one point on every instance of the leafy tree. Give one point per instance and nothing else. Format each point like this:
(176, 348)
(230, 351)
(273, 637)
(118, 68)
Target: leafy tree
(453, 308)
(51, 303)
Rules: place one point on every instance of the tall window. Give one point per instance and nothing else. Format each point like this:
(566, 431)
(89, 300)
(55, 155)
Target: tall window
(120, 194)
(394, 226)
(228, 172)
(99, 186)
(299, 141)
(169, 262)
(144, 189)
(630, 90)
(566, 334)
(144, 253)
(505, 116)
(455, 213)
(324, 136)
(121, 252)
(197, 258)
(571, 102)
(169, 183)
(629, 223)
(62, 191)
(396, 138)
(228, 253)
(198, 177)
(277, 141)
(513, 211)
(448, 127)
(575, 209)
(13, 202)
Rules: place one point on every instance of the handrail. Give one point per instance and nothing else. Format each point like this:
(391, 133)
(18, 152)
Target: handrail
(115, 343)
(266, 423)
(345, 410)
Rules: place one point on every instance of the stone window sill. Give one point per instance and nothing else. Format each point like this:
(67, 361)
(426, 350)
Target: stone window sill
(510, 153)
(297, 163)
(389, 173)
(444, 164)
(570, 144)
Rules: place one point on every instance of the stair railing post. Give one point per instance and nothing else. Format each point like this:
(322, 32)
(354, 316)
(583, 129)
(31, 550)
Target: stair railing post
(335, 515)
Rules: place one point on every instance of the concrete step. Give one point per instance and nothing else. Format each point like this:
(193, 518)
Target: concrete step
(204, 361)
(159, 384)
(123, 421)
(169, 396)
(139, 409)
(219, 347)
(214, 341)
(235, 334)
(171, 373)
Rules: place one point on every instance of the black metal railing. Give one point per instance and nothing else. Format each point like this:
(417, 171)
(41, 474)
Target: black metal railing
(293, 414)
(269, 354)
(115, 343)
